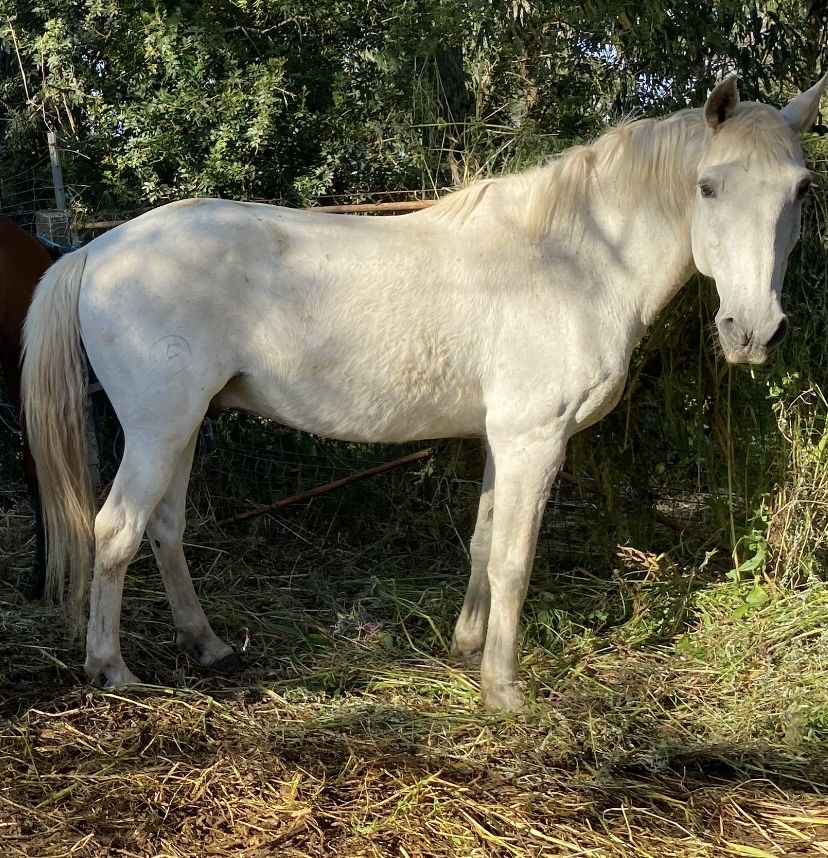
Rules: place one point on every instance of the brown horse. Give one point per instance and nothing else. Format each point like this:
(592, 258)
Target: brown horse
(23, 259)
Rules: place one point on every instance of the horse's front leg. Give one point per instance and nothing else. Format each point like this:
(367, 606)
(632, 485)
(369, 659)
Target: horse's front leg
(525, 467)
(470, 631)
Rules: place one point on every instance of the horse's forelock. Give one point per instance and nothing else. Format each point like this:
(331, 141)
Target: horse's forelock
(757, 131)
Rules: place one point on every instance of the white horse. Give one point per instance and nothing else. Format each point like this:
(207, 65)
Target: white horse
(509, 310)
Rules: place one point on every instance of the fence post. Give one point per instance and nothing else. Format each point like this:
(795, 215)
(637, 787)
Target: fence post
(53, 224)
(57, 172)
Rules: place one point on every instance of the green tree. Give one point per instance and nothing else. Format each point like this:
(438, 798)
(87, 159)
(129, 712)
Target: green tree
(290, 101)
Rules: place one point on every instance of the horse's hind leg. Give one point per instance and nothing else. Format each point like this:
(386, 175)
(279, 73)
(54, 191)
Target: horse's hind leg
(165, 530)
(470, 631)
(142, 479)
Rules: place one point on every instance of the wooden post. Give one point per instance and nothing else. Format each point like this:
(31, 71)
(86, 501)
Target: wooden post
(57, 172)
(327, 487)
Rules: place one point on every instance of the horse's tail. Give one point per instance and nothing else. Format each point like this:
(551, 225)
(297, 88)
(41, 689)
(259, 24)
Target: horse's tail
(54, 383)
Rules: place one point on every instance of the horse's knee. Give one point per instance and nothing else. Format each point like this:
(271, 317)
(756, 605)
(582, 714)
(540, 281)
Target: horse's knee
(480, 550)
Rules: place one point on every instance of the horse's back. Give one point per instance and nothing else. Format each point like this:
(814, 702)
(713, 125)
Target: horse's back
(351, 327)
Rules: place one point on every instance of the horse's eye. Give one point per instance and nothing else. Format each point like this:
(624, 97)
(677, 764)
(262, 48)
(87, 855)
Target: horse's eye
(803, 187)
(707, 190)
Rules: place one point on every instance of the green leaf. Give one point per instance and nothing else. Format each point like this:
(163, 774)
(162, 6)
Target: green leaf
(757, 596)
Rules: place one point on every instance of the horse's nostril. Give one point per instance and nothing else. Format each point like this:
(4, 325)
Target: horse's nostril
(778, 334)
(735, 333)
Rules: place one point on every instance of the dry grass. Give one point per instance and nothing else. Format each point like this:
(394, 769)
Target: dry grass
(674, 712)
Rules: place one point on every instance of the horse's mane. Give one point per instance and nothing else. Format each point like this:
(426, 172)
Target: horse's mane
(654, 160)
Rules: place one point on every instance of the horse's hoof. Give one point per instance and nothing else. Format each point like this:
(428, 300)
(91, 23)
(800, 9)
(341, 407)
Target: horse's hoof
(231, 663)
(207, 649)
(111, 675)
(503, 697)
(470, 656)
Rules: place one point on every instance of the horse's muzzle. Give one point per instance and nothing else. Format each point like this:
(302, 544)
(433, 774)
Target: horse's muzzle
(743, 345)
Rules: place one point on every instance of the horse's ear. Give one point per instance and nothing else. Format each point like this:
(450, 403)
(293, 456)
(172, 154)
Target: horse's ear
(721, 102)
(801, 112)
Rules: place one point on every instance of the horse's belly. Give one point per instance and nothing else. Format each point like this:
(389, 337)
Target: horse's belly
(330, 406)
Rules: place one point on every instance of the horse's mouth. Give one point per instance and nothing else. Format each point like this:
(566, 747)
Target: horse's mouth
(750, 356)
(742, 345)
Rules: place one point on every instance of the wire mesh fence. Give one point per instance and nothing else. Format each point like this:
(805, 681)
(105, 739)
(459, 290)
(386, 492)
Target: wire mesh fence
(244, 463)
(24, 194)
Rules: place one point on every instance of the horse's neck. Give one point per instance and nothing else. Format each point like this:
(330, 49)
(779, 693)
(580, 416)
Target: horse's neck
(647, 253)
(660, 263)
(635, 214)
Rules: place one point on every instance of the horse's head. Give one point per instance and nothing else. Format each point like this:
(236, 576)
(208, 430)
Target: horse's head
(746, 213)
